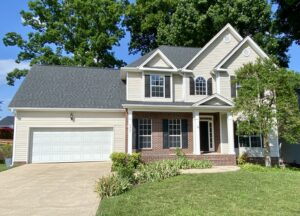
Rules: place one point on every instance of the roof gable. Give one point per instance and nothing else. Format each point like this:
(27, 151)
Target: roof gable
(214, 100)
(248, 40)
(229, 28)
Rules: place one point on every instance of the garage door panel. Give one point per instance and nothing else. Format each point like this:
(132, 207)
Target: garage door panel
(71, 144)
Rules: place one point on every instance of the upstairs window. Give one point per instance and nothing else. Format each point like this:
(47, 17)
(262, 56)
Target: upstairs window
(157, 85)
(200, 86)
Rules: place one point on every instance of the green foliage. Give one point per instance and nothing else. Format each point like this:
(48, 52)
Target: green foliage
(69, 32)
(119, 159)
(242, 159)
(112, 185)
(193, 23)
(156, 171)
(287, 18)
(124, 160)
(267, 98)
(179, 153)
(258, 168)
(6, 150)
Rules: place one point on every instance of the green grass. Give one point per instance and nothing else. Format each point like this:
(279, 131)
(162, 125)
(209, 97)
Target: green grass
(2, 167)
(246, 192)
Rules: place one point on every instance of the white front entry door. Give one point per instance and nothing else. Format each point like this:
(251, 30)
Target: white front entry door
(71, 144)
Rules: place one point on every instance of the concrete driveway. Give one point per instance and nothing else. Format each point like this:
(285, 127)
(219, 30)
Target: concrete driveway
(51, 189)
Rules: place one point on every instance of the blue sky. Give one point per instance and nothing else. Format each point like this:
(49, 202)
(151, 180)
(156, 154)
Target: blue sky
(10, 21)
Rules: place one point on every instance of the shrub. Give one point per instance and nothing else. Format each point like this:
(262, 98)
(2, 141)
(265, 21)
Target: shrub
(112, 185)
(242, 159)
(119, 159)
(122, 160)
(6, 150)
(184, 163)
(179, 153)
(156, 171)
(134, 160)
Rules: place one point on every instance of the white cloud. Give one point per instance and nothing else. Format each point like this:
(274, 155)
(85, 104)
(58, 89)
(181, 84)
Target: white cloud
(7, 65)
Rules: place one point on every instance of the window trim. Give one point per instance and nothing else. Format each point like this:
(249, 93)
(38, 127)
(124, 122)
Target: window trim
(195, 83)
(169, 135)
(250, 143)
(139, 143)
(164, 83)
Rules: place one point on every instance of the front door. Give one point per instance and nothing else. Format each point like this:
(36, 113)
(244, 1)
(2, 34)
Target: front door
(206, 136)
(204, 141)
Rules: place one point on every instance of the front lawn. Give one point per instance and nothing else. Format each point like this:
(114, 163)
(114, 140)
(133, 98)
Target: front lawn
(237, 193)
(2, 167)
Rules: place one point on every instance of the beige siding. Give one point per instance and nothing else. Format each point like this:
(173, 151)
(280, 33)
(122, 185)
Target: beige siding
(206, 62)
(234, 63)
(239, 59)
(157, 62)
(35, 119)
(177, 83)
(135, 86)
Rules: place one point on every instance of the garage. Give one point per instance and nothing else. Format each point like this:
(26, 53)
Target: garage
(70, 144)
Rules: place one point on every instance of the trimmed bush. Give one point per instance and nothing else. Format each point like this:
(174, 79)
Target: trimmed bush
(193, 164)
(122, 160)
(112, 185)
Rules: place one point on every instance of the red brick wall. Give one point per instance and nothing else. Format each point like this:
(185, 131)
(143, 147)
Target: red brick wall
(157, 131)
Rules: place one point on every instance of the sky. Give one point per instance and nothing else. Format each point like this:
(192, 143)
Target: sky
(10, 21)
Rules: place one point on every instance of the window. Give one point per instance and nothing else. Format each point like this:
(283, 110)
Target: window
(157, 85)
(200, 86)
(145, 132)
(175, 133)
(250, 141)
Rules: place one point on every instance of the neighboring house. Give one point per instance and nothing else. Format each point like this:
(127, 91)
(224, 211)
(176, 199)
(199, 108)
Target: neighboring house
(172, 97)
(6, 129)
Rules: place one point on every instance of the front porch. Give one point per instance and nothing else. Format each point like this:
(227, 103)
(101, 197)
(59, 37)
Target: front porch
(200, 135)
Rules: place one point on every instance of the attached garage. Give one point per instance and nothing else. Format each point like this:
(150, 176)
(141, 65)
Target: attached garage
(71, 144)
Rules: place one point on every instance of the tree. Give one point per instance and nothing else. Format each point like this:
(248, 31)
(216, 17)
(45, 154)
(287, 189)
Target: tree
(267, 101)
(193, 23)
(287, 17)
(69, 32)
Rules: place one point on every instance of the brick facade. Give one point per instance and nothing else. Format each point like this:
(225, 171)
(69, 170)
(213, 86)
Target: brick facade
(157, 152)
(157, 132)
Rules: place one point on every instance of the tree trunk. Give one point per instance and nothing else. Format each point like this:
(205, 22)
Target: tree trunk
(267, 151)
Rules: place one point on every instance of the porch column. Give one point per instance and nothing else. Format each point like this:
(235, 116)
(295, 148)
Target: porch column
(129, 132)
(196, 133)
(230, 132)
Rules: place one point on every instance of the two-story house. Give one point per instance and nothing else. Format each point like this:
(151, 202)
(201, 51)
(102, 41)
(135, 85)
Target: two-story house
(172, 97)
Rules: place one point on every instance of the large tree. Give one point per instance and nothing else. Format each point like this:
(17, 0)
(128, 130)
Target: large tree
(69, 32)
(193, 23)
(288, 18)
(267, 101)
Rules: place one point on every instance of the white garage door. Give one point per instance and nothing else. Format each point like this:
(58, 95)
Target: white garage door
(71, 144)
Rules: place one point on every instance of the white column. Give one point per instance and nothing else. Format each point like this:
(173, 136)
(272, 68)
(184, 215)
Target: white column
(129, 132)
(230, 132)
(196, 133)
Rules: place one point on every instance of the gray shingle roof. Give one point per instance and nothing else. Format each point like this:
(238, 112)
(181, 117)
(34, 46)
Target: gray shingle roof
(8, 121)
(179, 56)
(70, 87)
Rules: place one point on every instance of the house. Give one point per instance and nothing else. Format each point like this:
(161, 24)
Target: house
(172, 97)
(6, 129)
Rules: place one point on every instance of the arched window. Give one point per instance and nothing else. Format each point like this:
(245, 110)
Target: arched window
(200, 86)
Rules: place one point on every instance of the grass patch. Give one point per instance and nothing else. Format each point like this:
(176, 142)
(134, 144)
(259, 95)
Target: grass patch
(2, 167)
(246, 192)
